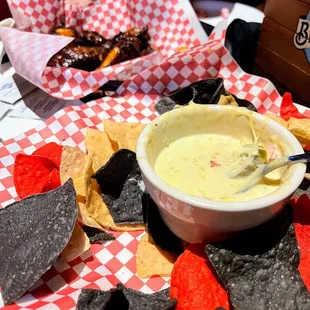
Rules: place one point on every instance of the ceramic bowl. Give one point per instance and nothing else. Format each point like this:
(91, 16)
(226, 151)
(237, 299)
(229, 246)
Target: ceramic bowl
(195, 219)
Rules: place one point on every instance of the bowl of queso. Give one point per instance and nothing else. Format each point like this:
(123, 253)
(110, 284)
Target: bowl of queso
(195, 159)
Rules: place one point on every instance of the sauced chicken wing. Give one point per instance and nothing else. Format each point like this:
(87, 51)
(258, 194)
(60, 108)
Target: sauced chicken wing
(141, 35)
(128, 45)
(90, 51)
(93, 38)
(79, 57)
(124, 50)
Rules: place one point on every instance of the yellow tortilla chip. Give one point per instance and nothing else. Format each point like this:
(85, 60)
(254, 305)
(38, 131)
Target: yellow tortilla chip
(124, 134)
(151, 260)
(307, 176)
(100, 145)
(78, 244)
(96, 207)
(227, 100)
(84, 216)
(73, 162)
(277, 118)
(300, 128)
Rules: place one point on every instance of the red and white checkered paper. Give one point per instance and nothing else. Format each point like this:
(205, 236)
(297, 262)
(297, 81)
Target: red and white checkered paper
(172, 24)
(105, 265)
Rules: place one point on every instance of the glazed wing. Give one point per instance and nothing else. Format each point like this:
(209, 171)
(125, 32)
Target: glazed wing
(93, 38)
(90, 51)
(79, 57)
(128, 45)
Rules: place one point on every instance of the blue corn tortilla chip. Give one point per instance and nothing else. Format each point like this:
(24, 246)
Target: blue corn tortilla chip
(97, 236)
(33, 232)
(140, 301)
(259, 283)
(122, 187)
(158, 230)
(164, 104)
(259, 267)
(206, 91)
(90, 299)
(123, 298)
(273, 239)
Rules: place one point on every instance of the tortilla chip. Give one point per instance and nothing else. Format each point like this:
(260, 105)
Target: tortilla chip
(73, 165)
(151, 260)
(78, 244)
(227, 100)
(73, 162)
(101, 213)
(307, 176)
(122, 297)
(34, 231)
(97, 236)
(194, 283)
(122, 187)
(277, 118)
(95, 205)
(100, 145)
(300, 128)
(84, 216)
(124, 134)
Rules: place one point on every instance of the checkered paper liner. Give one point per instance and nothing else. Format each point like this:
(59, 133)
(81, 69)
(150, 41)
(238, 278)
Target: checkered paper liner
(172, 24)
(105, 265)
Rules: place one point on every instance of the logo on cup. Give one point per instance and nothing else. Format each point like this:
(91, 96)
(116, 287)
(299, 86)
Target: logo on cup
(302, 36)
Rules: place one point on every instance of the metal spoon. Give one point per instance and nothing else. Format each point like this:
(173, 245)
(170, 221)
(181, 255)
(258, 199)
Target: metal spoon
(263, 170)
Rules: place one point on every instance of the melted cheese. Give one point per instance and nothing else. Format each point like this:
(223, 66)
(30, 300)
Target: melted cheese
(200, 164)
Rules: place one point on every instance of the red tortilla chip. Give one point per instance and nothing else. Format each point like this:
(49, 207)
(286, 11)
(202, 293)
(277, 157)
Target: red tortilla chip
(52, 151)
(302, 230)
(194, 283)
(31, 174)
(52, 182)
(288, 108)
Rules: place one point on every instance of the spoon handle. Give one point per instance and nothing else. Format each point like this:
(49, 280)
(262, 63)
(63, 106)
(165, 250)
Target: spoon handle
(283, 161)
(275, 164)
(303, 158)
